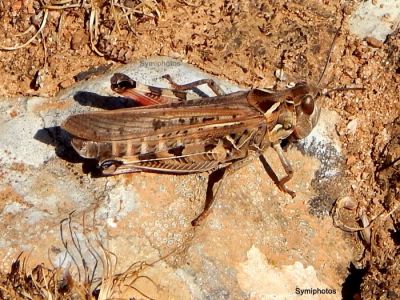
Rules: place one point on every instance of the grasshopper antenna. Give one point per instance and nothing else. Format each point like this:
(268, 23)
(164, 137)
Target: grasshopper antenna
(329, 57)
(339, 89)
(342, 89)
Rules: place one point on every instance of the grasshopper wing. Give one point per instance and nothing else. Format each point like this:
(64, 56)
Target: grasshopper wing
(198, 134)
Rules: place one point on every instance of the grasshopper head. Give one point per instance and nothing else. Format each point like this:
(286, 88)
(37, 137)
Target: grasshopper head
(307, 109)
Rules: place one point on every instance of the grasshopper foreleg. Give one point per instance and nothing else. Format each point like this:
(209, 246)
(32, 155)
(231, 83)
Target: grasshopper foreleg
(288, 169)
(190, 86)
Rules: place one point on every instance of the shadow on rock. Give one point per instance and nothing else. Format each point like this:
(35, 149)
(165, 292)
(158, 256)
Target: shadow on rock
(61, 140)
(328, 182)
(103, 102)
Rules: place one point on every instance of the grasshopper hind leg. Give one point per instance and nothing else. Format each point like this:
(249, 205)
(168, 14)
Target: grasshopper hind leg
(190, 86)
(214, 178)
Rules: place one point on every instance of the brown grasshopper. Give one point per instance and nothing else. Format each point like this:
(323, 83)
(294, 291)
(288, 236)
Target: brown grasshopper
(174, 134)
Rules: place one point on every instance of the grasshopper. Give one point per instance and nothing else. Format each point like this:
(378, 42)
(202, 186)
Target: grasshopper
(174, 133)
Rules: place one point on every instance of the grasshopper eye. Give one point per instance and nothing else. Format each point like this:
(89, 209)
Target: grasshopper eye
(307, 105)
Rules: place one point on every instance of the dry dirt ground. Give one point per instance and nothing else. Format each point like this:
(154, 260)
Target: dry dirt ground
(244, 42)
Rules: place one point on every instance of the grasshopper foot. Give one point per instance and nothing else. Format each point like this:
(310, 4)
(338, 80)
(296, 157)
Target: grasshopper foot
(196, 222)
(283, 188)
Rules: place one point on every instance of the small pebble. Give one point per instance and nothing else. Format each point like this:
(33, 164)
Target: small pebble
(364, 175)
(352, 127)
(351, 160)
(279, 74)
(347, 203)
(373, 42)
(66, 83)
